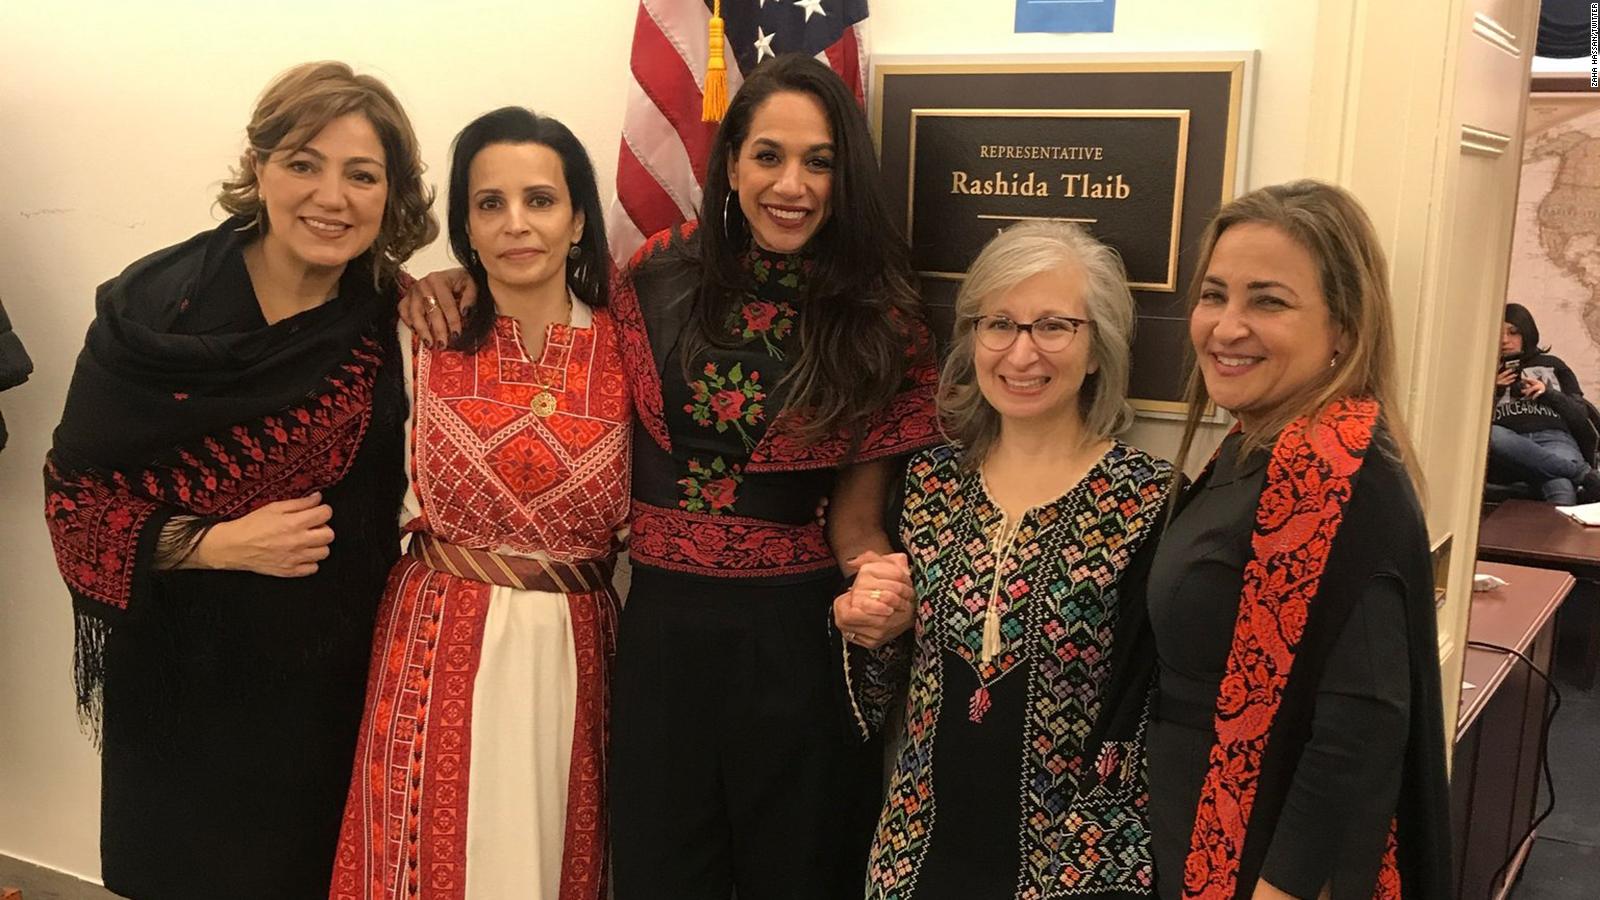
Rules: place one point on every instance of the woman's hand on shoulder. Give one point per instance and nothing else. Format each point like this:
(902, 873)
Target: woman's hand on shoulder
(285, 539)
(878, 607)
(436, 304)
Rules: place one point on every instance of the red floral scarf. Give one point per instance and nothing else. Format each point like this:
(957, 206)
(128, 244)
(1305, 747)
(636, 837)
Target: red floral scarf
(1309, 482)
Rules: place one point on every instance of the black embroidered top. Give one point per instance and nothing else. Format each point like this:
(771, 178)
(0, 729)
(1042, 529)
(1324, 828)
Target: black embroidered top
(720, 416)
(722, 485)
(995, 791)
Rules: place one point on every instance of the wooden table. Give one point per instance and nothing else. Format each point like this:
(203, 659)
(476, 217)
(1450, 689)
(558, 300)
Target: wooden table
(1494, 785)
(1512, 617)
(1530, 533)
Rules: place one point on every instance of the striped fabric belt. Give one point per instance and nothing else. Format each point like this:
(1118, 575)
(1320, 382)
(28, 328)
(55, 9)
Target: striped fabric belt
(581, 577)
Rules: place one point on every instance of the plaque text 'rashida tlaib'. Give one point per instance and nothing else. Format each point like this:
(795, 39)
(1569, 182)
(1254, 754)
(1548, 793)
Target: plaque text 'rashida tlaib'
(1118, 173)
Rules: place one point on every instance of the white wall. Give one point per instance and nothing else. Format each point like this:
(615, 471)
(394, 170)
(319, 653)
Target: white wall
(119, 119)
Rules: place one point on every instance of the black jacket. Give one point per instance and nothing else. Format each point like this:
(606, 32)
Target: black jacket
(15, 366)
(1382, 525)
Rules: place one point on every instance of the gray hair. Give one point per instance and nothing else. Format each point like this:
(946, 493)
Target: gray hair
(1013, 256)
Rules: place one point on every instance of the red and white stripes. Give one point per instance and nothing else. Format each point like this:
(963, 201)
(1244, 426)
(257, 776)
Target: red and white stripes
(662, 156)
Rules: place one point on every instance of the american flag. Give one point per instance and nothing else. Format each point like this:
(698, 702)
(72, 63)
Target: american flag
(664, 143)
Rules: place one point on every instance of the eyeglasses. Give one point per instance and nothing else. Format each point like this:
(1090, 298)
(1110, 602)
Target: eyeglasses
(1051, 334)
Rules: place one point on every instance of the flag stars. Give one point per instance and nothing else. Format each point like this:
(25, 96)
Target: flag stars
(810, 6)
(764, 44)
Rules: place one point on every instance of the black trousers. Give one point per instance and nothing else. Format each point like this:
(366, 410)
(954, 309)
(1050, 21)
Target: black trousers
(734, 769)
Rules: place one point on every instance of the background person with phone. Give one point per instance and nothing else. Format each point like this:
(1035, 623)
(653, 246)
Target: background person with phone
(1543, 431)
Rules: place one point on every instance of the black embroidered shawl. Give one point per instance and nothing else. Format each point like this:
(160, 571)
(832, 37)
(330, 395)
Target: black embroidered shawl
(160, 423)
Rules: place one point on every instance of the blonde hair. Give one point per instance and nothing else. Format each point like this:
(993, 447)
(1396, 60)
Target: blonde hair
(297, 105)
(1354, 276)
(1010, 258)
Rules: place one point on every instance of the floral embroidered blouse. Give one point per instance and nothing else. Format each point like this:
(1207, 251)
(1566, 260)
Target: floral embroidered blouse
(722, 486)
(717, 418)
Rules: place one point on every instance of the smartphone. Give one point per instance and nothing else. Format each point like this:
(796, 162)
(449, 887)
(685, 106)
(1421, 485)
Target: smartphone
(1513, 365)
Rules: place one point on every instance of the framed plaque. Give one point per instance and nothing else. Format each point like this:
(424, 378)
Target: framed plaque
(1140, 151)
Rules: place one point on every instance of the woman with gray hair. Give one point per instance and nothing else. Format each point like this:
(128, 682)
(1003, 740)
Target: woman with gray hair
(1020, 530)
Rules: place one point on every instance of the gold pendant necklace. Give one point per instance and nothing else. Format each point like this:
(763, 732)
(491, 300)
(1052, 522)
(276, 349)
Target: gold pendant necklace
(543, 403)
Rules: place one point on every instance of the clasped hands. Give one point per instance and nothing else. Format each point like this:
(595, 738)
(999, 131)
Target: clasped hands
(878, 606)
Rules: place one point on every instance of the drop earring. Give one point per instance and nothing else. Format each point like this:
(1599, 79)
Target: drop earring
(573, 251)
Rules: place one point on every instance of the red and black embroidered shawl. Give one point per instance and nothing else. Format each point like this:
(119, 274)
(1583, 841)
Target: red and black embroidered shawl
(164, 418)
(1320, 526)
(1332, 513)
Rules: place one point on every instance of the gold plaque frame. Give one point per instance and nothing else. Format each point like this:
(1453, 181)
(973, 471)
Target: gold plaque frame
(1238, 67)
(1181, 115)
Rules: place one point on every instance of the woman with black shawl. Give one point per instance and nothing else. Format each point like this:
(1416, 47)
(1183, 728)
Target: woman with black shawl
(1296, 744)
(222, 497)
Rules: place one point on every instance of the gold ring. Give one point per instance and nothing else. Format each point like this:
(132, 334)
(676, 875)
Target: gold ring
(876, 594)
(433, 303)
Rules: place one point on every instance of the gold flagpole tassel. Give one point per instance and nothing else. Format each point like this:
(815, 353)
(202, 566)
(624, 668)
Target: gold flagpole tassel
(715, 101)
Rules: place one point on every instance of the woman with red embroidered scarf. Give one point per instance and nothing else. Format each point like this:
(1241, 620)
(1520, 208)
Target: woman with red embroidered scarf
(222, 492)
(777, 357)
(1296, 743)
(481, 758)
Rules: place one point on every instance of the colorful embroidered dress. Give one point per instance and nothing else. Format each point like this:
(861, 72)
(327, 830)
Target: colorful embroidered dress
(992, 794)
(481, 766)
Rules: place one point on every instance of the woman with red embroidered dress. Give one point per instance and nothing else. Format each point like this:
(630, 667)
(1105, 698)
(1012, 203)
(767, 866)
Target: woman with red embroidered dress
(480, 767)
(1295, 745)
(221, 495)
(777, 357)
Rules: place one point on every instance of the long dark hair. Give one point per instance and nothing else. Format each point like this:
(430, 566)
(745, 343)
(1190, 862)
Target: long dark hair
(860, 300)
(588, 275)
(1518, 317)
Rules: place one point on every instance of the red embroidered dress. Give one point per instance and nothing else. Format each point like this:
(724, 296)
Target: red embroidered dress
(480, 768)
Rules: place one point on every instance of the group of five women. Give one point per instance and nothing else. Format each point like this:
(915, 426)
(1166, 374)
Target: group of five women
(1114, 684)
